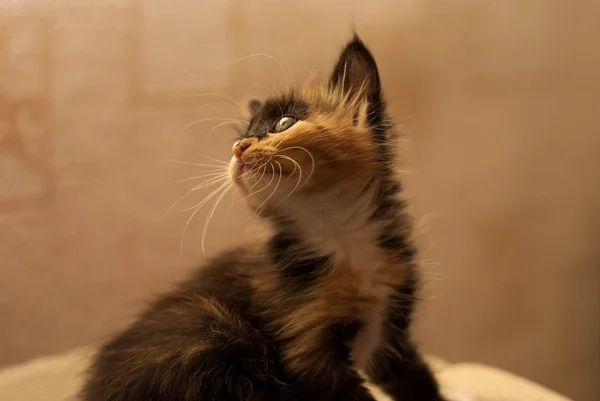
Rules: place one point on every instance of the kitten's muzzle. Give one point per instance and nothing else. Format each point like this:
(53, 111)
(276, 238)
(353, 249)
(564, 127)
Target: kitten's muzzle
(239, 147)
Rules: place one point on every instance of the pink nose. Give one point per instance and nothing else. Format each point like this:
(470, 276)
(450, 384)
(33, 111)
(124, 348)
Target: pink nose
(239, 148)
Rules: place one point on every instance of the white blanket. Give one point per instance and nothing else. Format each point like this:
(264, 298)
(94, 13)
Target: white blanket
(58, 378)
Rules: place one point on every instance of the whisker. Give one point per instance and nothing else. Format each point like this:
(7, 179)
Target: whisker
(203, 186)
(197, 208)
(237, 60)
(208, 94)
(264, 170)
(213, 129)
(272, 58)
(220, 92)
(281, 143)
(263, 167)
(215, 160)
(195, 164)
(285, 68)
(203, 120)
(266, 186)
(211, 214)
(312, 167)
(204, 106)
(276, 186)
(227, 96)
(214, 174)
(196, 188)
(251, 173)
(296, 165)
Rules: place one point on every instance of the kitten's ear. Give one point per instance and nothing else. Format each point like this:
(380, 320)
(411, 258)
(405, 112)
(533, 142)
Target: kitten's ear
(356, 71)
(254, 106)
(250, 107)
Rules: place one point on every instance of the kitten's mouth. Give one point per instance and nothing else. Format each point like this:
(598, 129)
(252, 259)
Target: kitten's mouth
(253, 169)
(240, 166)
(243, 167)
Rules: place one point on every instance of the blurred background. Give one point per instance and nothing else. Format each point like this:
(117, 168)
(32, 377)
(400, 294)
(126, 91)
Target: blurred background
(499, 102)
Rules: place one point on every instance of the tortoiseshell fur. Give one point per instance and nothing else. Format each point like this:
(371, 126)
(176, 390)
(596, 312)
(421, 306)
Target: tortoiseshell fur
(326, 300)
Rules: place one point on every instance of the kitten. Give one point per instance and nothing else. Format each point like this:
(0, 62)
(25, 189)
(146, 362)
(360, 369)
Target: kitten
(328, 295)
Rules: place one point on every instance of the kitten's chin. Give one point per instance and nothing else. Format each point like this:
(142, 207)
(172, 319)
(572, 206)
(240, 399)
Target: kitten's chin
(236, 169)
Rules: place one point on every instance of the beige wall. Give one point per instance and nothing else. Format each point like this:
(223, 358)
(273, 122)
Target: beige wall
(499, 102)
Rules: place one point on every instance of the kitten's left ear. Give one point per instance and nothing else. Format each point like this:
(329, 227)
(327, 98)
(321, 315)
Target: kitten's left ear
(254, 106)
(250, 108)
(356, 71)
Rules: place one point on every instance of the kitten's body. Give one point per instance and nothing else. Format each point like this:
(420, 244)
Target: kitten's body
(331, 291)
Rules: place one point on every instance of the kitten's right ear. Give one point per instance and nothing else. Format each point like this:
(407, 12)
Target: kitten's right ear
(356, 71)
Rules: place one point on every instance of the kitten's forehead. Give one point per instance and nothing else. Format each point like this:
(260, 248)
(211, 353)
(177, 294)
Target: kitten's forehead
(271, 111)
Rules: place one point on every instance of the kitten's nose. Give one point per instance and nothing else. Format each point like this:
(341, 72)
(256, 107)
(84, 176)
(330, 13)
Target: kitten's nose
(239, 147)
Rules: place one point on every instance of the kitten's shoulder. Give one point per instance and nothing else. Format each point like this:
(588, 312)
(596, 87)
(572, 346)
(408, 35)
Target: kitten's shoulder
(187, 338)
(230, 266)
(227, 277)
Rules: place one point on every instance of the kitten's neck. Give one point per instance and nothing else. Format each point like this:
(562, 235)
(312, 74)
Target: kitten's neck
(337, 224)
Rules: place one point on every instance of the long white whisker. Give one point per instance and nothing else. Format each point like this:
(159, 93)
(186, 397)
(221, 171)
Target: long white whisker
(197, 208)
(266, 186)
(263, 167)
(210, 216)
(213, 129)
(276, 186)
(215, 160)
(196, 188)
(210, 182)
(203, 186)
(272, 58)
(206, 105)
(312, 167)
(237, 60)
(285, 67)
(296, 166)
(220, 92)
(203, 120)
(250, 175)
(235, 103)
(196, 164)
(281, 143)
(219, 173)
(226, 96)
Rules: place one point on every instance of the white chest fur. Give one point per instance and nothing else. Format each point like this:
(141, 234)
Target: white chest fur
(365, 260)
(349, 236)
(369, 338)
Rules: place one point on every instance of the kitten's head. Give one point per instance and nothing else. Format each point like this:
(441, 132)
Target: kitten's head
(315, 140)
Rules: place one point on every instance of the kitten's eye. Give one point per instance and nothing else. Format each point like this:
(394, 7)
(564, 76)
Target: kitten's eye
(284, 123)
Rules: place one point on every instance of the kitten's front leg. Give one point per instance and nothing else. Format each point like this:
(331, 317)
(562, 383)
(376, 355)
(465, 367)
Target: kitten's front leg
(325, 372)
(353, 389)
(401, 372)
(350, 387)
